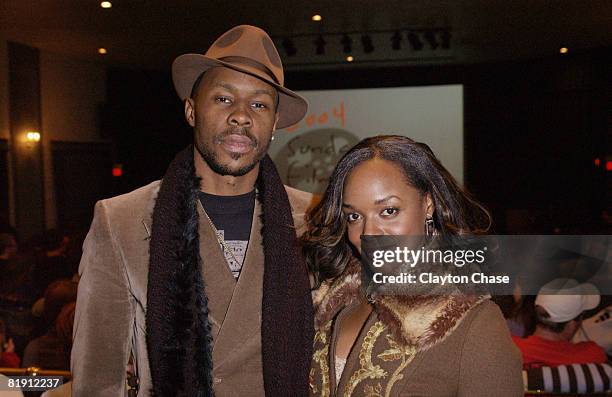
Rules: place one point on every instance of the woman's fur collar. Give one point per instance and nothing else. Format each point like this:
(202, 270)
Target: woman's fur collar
(416, 321)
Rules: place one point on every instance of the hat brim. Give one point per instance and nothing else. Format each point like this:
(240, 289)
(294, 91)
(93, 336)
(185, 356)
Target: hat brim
(590, 296)
(188, 67)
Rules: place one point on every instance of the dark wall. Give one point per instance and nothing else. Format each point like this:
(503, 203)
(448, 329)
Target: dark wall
(77, 188)
(4, 187)
(25, 115)
(144, 118)
(532, 131)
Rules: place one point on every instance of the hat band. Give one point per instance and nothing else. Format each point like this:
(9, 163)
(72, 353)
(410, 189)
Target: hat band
(251, 63)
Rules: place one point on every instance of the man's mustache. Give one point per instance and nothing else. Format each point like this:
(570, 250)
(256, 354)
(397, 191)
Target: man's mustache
(237, 131)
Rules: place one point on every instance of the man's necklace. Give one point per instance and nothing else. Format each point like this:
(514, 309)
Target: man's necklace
(222, 241)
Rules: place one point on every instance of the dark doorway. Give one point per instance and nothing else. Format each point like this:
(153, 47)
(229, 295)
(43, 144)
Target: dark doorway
(83, 175)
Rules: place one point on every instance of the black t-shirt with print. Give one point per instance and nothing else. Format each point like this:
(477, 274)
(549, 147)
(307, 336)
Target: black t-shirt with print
(232, 216)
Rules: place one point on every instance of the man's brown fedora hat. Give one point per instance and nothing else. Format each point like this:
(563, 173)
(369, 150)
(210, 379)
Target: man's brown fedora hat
(247, 49)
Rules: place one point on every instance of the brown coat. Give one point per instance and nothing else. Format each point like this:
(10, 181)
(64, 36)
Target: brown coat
(112, 300)
(438, 346)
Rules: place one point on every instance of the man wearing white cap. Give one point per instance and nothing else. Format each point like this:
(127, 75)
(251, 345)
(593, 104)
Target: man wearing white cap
(559, 308)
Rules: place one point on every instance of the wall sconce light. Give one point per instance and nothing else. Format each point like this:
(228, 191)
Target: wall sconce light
(32, 136)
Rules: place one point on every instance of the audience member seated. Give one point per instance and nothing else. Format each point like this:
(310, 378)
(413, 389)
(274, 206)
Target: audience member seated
(58, 294)
(8, 252)
(8, 358)
(52, 350)
(15, 271)
(519, 313)
(559, 308)
(598, 329)
(51, 261)
(8, 246)
(572, 378)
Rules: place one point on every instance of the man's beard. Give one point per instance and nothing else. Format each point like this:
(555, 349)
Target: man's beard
(211, 159)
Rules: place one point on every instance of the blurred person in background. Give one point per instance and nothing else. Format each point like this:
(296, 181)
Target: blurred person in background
(559, 308)
(519, 312)
(51, 260)
(8, 246)
(8, 358)
(57, 294)
(52, 350)
(598, 329)
(11, 273)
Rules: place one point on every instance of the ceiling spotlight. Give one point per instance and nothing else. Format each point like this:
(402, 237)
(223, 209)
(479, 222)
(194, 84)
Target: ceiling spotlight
(320, 45)
(102, 51)
(317, 18)
(347, 44)
(430, 37)
(415, 41)
(445, 37)
(289, 47)
(366, 42)
(563, 50)
(349, 58)
(396, 41)
(106, 4)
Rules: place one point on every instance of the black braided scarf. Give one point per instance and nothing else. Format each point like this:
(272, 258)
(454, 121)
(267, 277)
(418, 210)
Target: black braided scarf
(179, 340)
